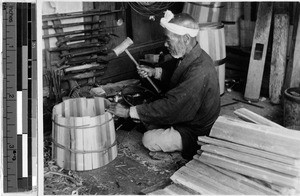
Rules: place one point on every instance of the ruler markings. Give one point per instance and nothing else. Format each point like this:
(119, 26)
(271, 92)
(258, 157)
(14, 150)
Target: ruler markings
(18, 50)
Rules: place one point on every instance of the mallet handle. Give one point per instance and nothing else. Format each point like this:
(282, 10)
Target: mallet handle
(137, 65)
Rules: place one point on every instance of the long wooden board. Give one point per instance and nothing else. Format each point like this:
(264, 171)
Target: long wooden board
(279, 141)
(206, 170)
(252, 159)
(249, 150)
(250, 116)
(177, 189)
(292, 78)
(279, 54)
(258, 51)
(250, 170)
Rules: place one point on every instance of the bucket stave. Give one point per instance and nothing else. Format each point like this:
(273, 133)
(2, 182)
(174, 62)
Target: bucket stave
(83, 134)
(203, 12)
(211, 38)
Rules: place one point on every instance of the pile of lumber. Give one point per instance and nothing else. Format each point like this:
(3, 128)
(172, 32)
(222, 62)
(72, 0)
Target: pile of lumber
(258, 157)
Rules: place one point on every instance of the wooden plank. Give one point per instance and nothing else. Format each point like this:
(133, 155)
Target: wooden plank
(243, 179)
(252, 159)
(249, 150)
(250, 170)
(279, 54)
(258, 51)
(279, 141)
(200, 183)
(206, 170)
(250, 116)
(295, 74)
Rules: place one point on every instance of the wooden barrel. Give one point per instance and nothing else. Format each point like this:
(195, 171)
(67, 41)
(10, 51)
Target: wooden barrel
(291, 111)
(211, 38)
(203, 12)
(83, 134)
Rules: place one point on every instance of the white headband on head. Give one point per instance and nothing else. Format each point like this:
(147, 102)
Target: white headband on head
(174, 28)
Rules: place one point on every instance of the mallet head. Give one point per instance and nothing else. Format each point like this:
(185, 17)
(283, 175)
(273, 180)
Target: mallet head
(123, 46)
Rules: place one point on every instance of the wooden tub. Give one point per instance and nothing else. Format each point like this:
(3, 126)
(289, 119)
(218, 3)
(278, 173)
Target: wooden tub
(83, 134)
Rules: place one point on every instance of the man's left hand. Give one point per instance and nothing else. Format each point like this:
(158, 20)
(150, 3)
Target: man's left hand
(118, 110)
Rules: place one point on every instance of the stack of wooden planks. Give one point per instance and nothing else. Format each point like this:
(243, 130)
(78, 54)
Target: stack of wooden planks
(258, 157)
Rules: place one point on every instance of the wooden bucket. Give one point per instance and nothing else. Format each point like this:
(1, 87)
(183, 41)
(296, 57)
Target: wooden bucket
(291, 111)
(83, 134)
(203, 12)
(211, 38)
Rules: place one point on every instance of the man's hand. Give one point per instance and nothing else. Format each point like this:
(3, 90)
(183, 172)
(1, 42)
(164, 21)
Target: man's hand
(118, 110)
(145, 71)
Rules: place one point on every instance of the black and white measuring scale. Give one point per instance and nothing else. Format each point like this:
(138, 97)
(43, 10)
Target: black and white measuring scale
(19, 95)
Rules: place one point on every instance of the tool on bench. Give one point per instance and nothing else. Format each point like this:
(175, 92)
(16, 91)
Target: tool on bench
(72, 33)
(102, 38)
(78, 15)
(58, 26)
(123, 47)
(102, 51)
(76, 46)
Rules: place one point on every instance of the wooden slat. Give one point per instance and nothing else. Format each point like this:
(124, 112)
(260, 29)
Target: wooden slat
(292, 78)
(79, 157)
(200, 183)
(250, 116)
(279, 141)
(206, 170)
(250, 170)
(252, 159)
(259, 51)
(249, 150)
(243, 179)
(279, 54)
(93, 140)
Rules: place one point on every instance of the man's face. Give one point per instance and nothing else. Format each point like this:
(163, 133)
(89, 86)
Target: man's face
(175, 44)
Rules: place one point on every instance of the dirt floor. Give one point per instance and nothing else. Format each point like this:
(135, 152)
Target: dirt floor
(134, 171)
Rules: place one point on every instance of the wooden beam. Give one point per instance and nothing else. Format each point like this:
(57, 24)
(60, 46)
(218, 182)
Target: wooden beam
(251, 170)
(252, 159)
(295, 77)
(293, 66)
(279, 141)
(259, 51)
(249, 150)
(250, 116)
(210, 172)
(279, 55)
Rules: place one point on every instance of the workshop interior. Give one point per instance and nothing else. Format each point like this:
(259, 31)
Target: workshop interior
(91, 55)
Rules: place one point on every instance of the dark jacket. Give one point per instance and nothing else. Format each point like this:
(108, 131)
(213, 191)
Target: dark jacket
(192, 103)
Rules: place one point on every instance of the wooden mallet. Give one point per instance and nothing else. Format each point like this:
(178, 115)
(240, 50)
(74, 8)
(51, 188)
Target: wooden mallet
(123, 47)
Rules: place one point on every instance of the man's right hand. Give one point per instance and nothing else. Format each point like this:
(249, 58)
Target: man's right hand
(145, 71)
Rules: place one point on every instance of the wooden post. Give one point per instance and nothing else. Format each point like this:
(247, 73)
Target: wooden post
(279, 53)
(258, 51)
(295, 67)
